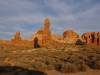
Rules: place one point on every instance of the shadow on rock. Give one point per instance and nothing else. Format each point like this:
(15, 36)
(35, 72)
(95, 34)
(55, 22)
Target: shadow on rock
(8, 70)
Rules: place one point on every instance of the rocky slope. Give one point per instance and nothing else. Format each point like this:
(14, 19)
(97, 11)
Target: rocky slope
(71, 59)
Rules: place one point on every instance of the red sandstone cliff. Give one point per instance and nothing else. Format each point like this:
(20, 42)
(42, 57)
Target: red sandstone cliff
(92, 38)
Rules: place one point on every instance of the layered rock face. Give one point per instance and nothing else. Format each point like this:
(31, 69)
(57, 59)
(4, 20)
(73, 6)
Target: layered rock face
(92, 38)
(70, 36)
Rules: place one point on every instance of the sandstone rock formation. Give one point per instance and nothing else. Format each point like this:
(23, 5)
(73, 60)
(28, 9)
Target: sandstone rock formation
(44, 34)
(39, 36)
(44, 38)
(47, 32)
(17, 38)
(70, 36)
(91, 38)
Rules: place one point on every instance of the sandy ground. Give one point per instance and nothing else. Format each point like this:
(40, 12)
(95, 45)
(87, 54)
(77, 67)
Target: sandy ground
(90, 72)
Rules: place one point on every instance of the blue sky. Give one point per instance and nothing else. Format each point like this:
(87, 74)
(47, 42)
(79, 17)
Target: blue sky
(27, 16)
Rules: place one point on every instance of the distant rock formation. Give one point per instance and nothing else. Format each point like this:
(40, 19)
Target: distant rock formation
(44, 38)
(18, 41)
(91, 38)
(17, 38)
(70, 36)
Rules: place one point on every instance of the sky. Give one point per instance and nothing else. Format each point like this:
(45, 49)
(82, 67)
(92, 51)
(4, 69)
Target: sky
(27, 16)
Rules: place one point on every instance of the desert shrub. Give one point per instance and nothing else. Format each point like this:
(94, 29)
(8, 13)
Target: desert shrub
(50, 67)
(97, 51)
(94, 64)
(82, 67)
(50, 63)
(66, 67)
(70, 68)
(79, 42)
(98, 64)
(39, 66)
(74, 59)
